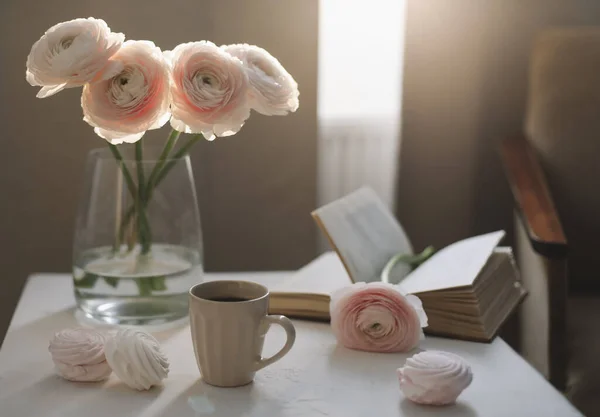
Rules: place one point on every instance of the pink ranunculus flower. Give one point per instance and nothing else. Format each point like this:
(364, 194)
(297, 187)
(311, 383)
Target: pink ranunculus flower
(377, 317)
(123, 107)
(208, 90)
(273, 91)
(71, 54)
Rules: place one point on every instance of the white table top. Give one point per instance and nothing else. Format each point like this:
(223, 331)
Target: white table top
(316, 378)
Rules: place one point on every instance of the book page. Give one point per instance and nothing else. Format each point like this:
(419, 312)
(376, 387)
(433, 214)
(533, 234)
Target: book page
(457, 265)
(364, 233)
(322, 276)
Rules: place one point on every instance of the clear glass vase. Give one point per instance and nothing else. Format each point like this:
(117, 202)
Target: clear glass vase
(137, 250)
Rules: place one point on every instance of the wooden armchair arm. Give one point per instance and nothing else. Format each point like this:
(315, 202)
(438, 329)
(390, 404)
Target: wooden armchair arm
(542, 260)
(532, 197)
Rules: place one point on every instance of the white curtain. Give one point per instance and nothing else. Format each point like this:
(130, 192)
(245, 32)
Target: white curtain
(359, 91)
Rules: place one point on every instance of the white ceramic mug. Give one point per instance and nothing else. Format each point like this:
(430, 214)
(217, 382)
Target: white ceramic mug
(229, 320)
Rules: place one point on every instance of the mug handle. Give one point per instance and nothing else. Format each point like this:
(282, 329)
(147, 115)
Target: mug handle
(291, 338)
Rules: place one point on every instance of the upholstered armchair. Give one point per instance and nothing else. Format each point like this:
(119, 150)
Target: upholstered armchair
(554, 172)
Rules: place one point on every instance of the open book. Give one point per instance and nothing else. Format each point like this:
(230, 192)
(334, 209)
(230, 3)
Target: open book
(473, 309)
(468, 289)
(305, 294)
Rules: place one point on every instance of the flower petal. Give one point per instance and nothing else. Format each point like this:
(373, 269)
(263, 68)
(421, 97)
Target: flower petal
(111, 69)
(179, 125)
(209, 135)
(161, 121)
(417, 304)
(135, 99)
(209, 90)
(50, 90)
(71, 54)
(117, 138)
(376, 317)
(31, 78)
(273, 91)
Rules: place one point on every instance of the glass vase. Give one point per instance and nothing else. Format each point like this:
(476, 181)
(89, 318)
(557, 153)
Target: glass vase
(138, 241)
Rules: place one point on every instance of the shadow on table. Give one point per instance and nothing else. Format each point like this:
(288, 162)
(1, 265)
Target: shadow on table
(408, 408)
(116, 399)
(202, 399)
(42, 329)
(55, 396)
(31, 339)
(34, 336)
(353, 363)
(43, 394)
(162, 332)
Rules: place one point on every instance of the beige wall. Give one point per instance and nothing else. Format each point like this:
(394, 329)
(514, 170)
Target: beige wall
(256, 190)
(465, 87)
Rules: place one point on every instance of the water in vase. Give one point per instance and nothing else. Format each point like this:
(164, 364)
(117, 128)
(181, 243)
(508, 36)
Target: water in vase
(133, 289)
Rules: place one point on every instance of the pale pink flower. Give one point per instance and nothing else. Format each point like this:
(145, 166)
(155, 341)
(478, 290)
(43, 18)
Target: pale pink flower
(71, 54)
(122, 107)
(377, 317)
(208, 90)
(273, 91)
(434, 377)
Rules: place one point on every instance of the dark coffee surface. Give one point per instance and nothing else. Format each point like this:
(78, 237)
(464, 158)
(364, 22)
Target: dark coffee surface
(228, 299)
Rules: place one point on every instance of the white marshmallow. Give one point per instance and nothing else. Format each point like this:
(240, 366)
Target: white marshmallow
(136, 358)
(78, 355)
(434, 377)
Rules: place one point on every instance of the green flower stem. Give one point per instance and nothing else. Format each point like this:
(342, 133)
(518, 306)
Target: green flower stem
(158, 283)
(151, 182)
(144, 286)
(139, 157)
(413, 261)
(128, 179)
(162, 159)
(166, 168)
(126, 174)
(125, 222)
(177, 156)
(418, 259)
(88, 281)
(144, 233)
(143, 197)
(112, 281)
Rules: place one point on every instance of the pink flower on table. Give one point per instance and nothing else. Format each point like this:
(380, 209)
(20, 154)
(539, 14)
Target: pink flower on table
(71, 54)
(122, 107)
(377, 317)
(208, 90)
